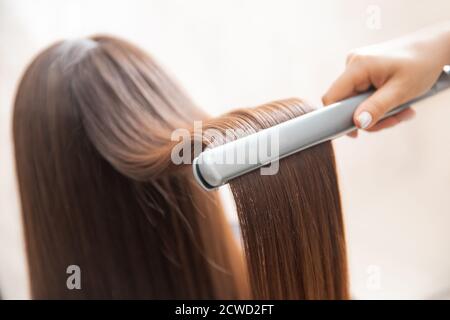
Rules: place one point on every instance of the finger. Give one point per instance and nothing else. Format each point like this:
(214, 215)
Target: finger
(353, 80)
(403, 116)
(381, 101)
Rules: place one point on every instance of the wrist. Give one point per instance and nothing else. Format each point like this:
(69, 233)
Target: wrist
(441, 42)
(433, 42)
(446, 42)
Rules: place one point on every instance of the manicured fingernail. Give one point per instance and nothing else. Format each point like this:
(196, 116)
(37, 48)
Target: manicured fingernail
(364, 119)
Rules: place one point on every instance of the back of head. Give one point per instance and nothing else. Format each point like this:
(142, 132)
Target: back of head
(91, 121)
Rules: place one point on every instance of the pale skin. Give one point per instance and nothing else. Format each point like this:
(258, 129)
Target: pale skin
(400, 70)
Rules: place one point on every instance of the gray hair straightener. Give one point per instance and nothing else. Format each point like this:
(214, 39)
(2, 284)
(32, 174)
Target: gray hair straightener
(211, 171)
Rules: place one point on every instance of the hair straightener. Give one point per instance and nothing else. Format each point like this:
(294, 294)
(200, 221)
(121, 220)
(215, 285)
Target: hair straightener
(211, 171)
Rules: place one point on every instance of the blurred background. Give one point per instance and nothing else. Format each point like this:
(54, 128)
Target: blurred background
(395, 184)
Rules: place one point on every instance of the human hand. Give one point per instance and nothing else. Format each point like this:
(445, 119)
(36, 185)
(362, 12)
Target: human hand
(400, 70)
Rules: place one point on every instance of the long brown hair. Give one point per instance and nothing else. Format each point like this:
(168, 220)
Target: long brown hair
(92, 125)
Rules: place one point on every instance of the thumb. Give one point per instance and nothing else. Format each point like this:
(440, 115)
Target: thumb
(387, 97)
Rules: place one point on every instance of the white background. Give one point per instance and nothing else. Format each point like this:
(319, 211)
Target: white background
(395, 184)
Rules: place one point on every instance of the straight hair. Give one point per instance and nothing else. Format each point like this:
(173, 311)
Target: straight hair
(92, 133)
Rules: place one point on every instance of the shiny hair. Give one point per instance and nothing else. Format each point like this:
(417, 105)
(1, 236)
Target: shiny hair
(92, 133)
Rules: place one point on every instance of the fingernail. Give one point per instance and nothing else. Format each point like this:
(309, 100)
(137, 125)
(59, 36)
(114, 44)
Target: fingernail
(364, 119)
